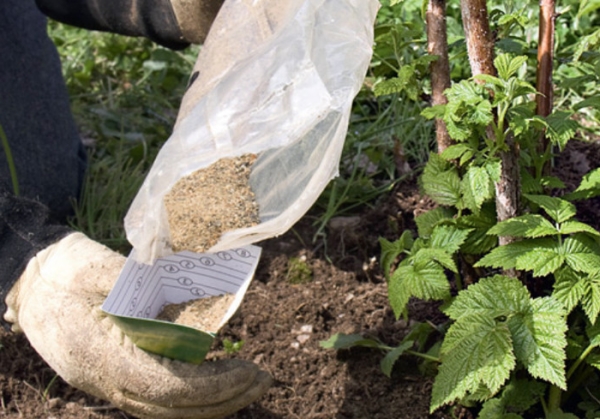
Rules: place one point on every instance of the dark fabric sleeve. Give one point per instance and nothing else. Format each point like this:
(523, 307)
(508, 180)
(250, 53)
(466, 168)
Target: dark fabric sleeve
(153, 19)
(25, 228)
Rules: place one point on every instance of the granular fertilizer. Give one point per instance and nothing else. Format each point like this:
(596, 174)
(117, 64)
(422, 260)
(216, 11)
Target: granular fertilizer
(210, 201)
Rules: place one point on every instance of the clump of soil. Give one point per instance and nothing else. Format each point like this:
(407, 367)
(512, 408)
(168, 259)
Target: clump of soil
(203, 313)
(210, 201)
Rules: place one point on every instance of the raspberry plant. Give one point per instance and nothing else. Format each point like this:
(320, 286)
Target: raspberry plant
(523, 334)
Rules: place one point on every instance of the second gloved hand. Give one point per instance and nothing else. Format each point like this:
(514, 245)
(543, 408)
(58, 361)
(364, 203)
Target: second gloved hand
(56, 303)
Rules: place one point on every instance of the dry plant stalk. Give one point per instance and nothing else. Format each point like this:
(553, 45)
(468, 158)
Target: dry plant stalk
(437, 44)
(209, 202)
(204, 313)
(480, 47)
(545, 58)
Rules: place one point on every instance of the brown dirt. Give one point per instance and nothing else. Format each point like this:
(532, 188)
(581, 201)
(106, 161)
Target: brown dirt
(209, 202)
(281, 324)
(203, 313)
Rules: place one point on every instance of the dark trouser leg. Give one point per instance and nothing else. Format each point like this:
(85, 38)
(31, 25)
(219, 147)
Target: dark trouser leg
(35, 112)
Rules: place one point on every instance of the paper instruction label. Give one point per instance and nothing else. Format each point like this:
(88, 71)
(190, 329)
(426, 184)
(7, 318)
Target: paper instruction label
(143, 290)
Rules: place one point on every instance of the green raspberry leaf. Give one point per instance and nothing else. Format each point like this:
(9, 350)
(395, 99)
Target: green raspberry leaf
(572, 288)
(391, 250)
(570, 227)
(530, 225)
(506, 256)
(478, 348)
(438, 255)
(539, 336)
(561, 128)
(441, 181)
(425, 281)
(558, 209)
(581, 253)
(455, 151)
(448, 238)
(482, 356)
(427, 221)
(491, 297)
(388, 361)
(588, 188)
(477, 187)
(541, 261)
(508, 65)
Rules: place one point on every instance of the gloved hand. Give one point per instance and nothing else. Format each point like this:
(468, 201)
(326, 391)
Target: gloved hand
(56, 303)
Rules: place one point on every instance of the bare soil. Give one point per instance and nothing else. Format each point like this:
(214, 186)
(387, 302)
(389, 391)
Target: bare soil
(281, 323)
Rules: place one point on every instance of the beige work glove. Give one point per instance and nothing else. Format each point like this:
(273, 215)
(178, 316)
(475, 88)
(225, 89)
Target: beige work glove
(56, 303)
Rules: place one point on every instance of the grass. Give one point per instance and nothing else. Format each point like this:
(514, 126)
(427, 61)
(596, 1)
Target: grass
(125, 93)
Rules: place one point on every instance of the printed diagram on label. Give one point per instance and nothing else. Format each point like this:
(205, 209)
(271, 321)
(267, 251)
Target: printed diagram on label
(142, 291)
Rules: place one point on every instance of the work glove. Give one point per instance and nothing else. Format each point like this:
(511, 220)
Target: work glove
(171, 23)
(56, 303)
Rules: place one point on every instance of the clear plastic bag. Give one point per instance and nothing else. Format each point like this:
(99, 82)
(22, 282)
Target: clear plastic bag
(274, 79)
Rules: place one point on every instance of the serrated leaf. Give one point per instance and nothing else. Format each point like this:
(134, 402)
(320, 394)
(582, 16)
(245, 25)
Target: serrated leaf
(435, 111)
(552, 182)
(490, 297)
(583, 262)
(389, 87)
(426, 282)
(479, 242)
(541, 261)
(455, 151)
(482, 113)
(465, 91)
(441, 181)
(558, 209)
(489, 79)
(388, 361)
(478, 185)
(448, 238)
(507, 65)
(539, 340)
(506, 256)
(494, 169)
(581, 253)
(520, 395)
(483, 356)
(438, 255)
(517, 396)
(467, 157)
(593, 101)
(428, 220)
(593, 333)
(530, 225)
(590, 181)
(570, 227)
(345, 341)
(593, 360)
(568, 288)
(419, 333)
(561, 128)
(391, 250)
(492, 409)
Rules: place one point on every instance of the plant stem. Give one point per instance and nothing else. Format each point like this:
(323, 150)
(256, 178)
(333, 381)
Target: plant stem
(9, 160)
(480, 44)
(554, 397)
(545, 57)
(437, 44)
(579, 360)
(480, 47)
(424, 356)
